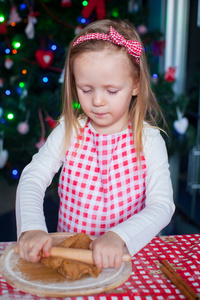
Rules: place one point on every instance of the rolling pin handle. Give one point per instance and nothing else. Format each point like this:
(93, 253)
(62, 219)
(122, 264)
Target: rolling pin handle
(84, 255)
(126, 257)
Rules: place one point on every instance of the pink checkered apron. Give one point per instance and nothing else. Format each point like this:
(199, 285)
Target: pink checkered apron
(101, 184)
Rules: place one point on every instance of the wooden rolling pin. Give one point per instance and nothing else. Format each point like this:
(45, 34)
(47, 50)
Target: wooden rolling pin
(81, 255)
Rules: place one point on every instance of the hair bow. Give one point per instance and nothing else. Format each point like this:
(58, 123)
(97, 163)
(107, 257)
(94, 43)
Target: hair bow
(133, 47)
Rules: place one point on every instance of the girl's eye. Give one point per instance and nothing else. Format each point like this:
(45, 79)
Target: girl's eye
(86, 91)
(112, 92)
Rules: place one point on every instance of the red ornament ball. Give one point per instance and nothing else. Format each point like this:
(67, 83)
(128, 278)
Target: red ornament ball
(23, 128)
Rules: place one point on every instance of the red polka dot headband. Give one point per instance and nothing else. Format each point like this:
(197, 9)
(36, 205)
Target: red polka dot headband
(133, 47)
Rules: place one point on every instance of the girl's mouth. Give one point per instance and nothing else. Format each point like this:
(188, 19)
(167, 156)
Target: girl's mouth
(100, 114)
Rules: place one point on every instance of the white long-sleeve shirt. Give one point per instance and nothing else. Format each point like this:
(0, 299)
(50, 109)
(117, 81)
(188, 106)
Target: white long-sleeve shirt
(136, 231)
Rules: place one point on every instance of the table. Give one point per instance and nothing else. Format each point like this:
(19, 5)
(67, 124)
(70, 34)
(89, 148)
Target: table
(146, 281)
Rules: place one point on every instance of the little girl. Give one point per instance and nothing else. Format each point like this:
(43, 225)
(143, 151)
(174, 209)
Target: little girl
(115, 182)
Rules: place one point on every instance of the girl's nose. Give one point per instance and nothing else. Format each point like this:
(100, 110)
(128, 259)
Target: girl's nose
(98, 99)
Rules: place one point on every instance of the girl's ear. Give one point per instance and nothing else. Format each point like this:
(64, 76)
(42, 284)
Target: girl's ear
(135, 89)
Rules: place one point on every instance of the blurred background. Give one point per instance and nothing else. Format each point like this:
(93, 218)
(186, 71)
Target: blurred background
(34, 39)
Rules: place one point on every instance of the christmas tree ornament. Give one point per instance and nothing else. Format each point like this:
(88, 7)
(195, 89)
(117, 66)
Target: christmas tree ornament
(66, 3)
(97, 5)
(170, 74)
(51, 122)
(23, 127)
(182, 123)
(44, 58)
(41, 142)
(30, 30)
(14, 16)
(77, 30)
(1, 82)
(3, 27)
(3, 153)
(8, 63)
(142, 29)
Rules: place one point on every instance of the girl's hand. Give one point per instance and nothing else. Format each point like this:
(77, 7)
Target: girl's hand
(108, 250)
(33, 243)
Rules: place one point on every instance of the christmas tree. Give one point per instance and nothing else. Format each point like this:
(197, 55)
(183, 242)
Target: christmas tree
(34, 37)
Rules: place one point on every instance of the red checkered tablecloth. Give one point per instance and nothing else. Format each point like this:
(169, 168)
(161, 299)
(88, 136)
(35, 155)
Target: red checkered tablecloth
(146, 280)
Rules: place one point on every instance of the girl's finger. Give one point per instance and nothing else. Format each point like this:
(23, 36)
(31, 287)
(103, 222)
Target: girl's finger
(118, 261)
(47, 247)
(34, 254)
(21, 252)
(111, 261)
(91, 246)
(35, 251)
(97, 258)
(105, 261)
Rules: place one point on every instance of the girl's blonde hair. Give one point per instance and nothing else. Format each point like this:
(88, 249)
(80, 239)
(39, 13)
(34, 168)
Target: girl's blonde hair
(144, 106)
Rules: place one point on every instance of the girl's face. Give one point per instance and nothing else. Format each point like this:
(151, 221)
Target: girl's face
(105, 88)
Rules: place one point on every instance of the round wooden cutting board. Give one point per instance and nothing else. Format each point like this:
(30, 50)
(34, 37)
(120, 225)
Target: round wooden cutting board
(36, 279)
